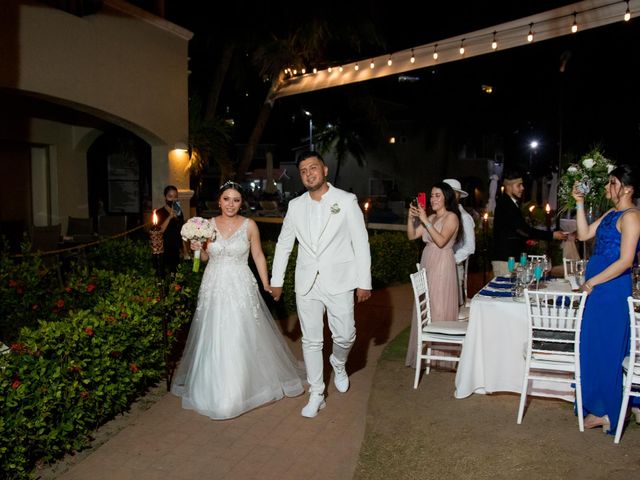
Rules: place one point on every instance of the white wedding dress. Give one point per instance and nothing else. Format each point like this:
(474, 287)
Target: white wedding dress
(235, 358)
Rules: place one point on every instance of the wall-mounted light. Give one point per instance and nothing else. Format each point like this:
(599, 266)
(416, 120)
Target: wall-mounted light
(574, 27)
(372, 65)
(530, 35)
(435, 51)
(181, 146)
(494, 43)
(462, 47)
(389, 62)
(627, 14)
(413, 57)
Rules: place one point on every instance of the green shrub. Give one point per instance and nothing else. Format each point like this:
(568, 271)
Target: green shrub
(393, 257)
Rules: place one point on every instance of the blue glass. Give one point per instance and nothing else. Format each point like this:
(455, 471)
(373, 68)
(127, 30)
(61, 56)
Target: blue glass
(537, 272)
(511, 264)
(523, 259)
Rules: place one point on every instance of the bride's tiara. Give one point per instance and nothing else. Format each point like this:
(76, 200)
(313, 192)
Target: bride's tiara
(230, 184)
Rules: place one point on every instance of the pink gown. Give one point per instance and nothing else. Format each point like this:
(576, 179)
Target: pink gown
(443, 287)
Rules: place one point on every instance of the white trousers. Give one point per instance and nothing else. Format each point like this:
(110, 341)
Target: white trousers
(311, 308)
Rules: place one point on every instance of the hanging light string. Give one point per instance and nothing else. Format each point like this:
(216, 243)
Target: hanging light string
(482, 41)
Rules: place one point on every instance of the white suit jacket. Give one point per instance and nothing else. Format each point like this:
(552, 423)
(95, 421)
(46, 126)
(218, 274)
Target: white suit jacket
(342, 257)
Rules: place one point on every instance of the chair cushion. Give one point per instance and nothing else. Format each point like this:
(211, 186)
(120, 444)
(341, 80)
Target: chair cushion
(446, 328)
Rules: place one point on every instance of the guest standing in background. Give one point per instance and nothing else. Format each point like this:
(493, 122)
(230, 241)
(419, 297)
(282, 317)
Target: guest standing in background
(510, 230)
(170, 220)
(466, 246)
(440, 231)
(604, 339)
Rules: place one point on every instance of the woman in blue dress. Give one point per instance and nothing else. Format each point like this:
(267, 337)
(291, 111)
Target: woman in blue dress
(604, 341)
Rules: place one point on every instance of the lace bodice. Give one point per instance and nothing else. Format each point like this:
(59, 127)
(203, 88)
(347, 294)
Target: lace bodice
(234, 249)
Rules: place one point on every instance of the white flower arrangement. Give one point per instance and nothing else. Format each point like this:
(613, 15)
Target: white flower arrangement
(592, 173)
(198, 229)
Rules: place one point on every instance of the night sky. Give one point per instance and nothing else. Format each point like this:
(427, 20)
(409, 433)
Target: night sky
(594, 101)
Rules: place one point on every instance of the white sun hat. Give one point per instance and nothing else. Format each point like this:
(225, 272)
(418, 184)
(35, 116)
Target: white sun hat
(455, 184)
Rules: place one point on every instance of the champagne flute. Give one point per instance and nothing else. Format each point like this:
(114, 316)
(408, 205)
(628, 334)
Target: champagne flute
(511, 264)
(537, 273)
(523, 258)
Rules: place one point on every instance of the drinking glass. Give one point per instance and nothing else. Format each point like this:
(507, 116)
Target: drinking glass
(547, 266)
(579, 271)
(511, 264)
(523, 258)
(537, 273)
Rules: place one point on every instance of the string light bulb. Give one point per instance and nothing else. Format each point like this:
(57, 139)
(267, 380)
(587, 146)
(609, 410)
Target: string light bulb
(530, 35)
(389, 62)
(315, 70)
(372, 65)
(574, 27)
(435, 51)
(295, 71)
(330, 69)
(627, 14)
(413, 57)
(462, 47)
(340, 69)
(303, 71)
(357, 67)
(494, 43)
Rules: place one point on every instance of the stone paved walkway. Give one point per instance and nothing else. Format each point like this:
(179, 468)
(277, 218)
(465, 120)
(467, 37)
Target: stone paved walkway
(271, 442)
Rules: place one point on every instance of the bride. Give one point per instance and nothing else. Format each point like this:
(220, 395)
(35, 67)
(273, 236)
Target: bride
(235, 358)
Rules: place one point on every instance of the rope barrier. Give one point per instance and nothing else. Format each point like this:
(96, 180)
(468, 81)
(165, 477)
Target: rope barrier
(82, 246)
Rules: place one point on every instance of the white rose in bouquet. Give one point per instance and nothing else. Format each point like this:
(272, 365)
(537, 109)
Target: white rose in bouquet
(200, 230)
(588, 163)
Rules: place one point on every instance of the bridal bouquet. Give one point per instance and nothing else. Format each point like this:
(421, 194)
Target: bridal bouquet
(198, 229)
(592, 173)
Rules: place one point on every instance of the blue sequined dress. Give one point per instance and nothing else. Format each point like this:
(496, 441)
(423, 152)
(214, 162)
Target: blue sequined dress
(604, 341)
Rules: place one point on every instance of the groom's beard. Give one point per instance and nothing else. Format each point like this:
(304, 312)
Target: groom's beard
(318, 186)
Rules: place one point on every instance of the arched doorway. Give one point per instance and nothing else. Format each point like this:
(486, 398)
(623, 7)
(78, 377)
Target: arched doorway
(119, 176)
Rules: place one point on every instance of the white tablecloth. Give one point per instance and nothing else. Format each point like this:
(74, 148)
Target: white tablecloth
(493, 352)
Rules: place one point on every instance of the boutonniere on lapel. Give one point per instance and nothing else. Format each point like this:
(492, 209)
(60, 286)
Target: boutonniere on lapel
(335, 208)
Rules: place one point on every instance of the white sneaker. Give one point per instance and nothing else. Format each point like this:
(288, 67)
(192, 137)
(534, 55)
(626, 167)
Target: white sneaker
(340, 377)
(316, 403)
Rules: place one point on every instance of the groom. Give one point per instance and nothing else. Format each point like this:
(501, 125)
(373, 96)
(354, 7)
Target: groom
(333, 261)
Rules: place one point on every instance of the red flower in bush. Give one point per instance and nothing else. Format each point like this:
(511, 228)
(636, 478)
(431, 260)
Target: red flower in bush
(34, 307)
(12, 283)
(124, 314)
(110, 319)
(60, 303)
(531, 243)
(91, 287)
(17, 347)
(178, 287)
(84, 394)
(134, 368)
(169, 333)
(74, 369)
(16, 383)
(89, 331)
(68, 289)
(115, 354)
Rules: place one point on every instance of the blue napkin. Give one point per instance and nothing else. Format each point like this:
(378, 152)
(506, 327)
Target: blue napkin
(503, 279)
(500, 285)
(495, 293)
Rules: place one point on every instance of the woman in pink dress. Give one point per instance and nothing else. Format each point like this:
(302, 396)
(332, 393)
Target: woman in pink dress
(439, 231)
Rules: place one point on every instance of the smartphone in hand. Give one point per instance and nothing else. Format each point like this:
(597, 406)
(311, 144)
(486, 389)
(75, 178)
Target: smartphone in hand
(422, 200)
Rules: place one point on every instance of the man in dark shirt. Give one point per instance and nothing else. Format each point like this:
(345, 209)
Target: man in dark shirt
(510, 230)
